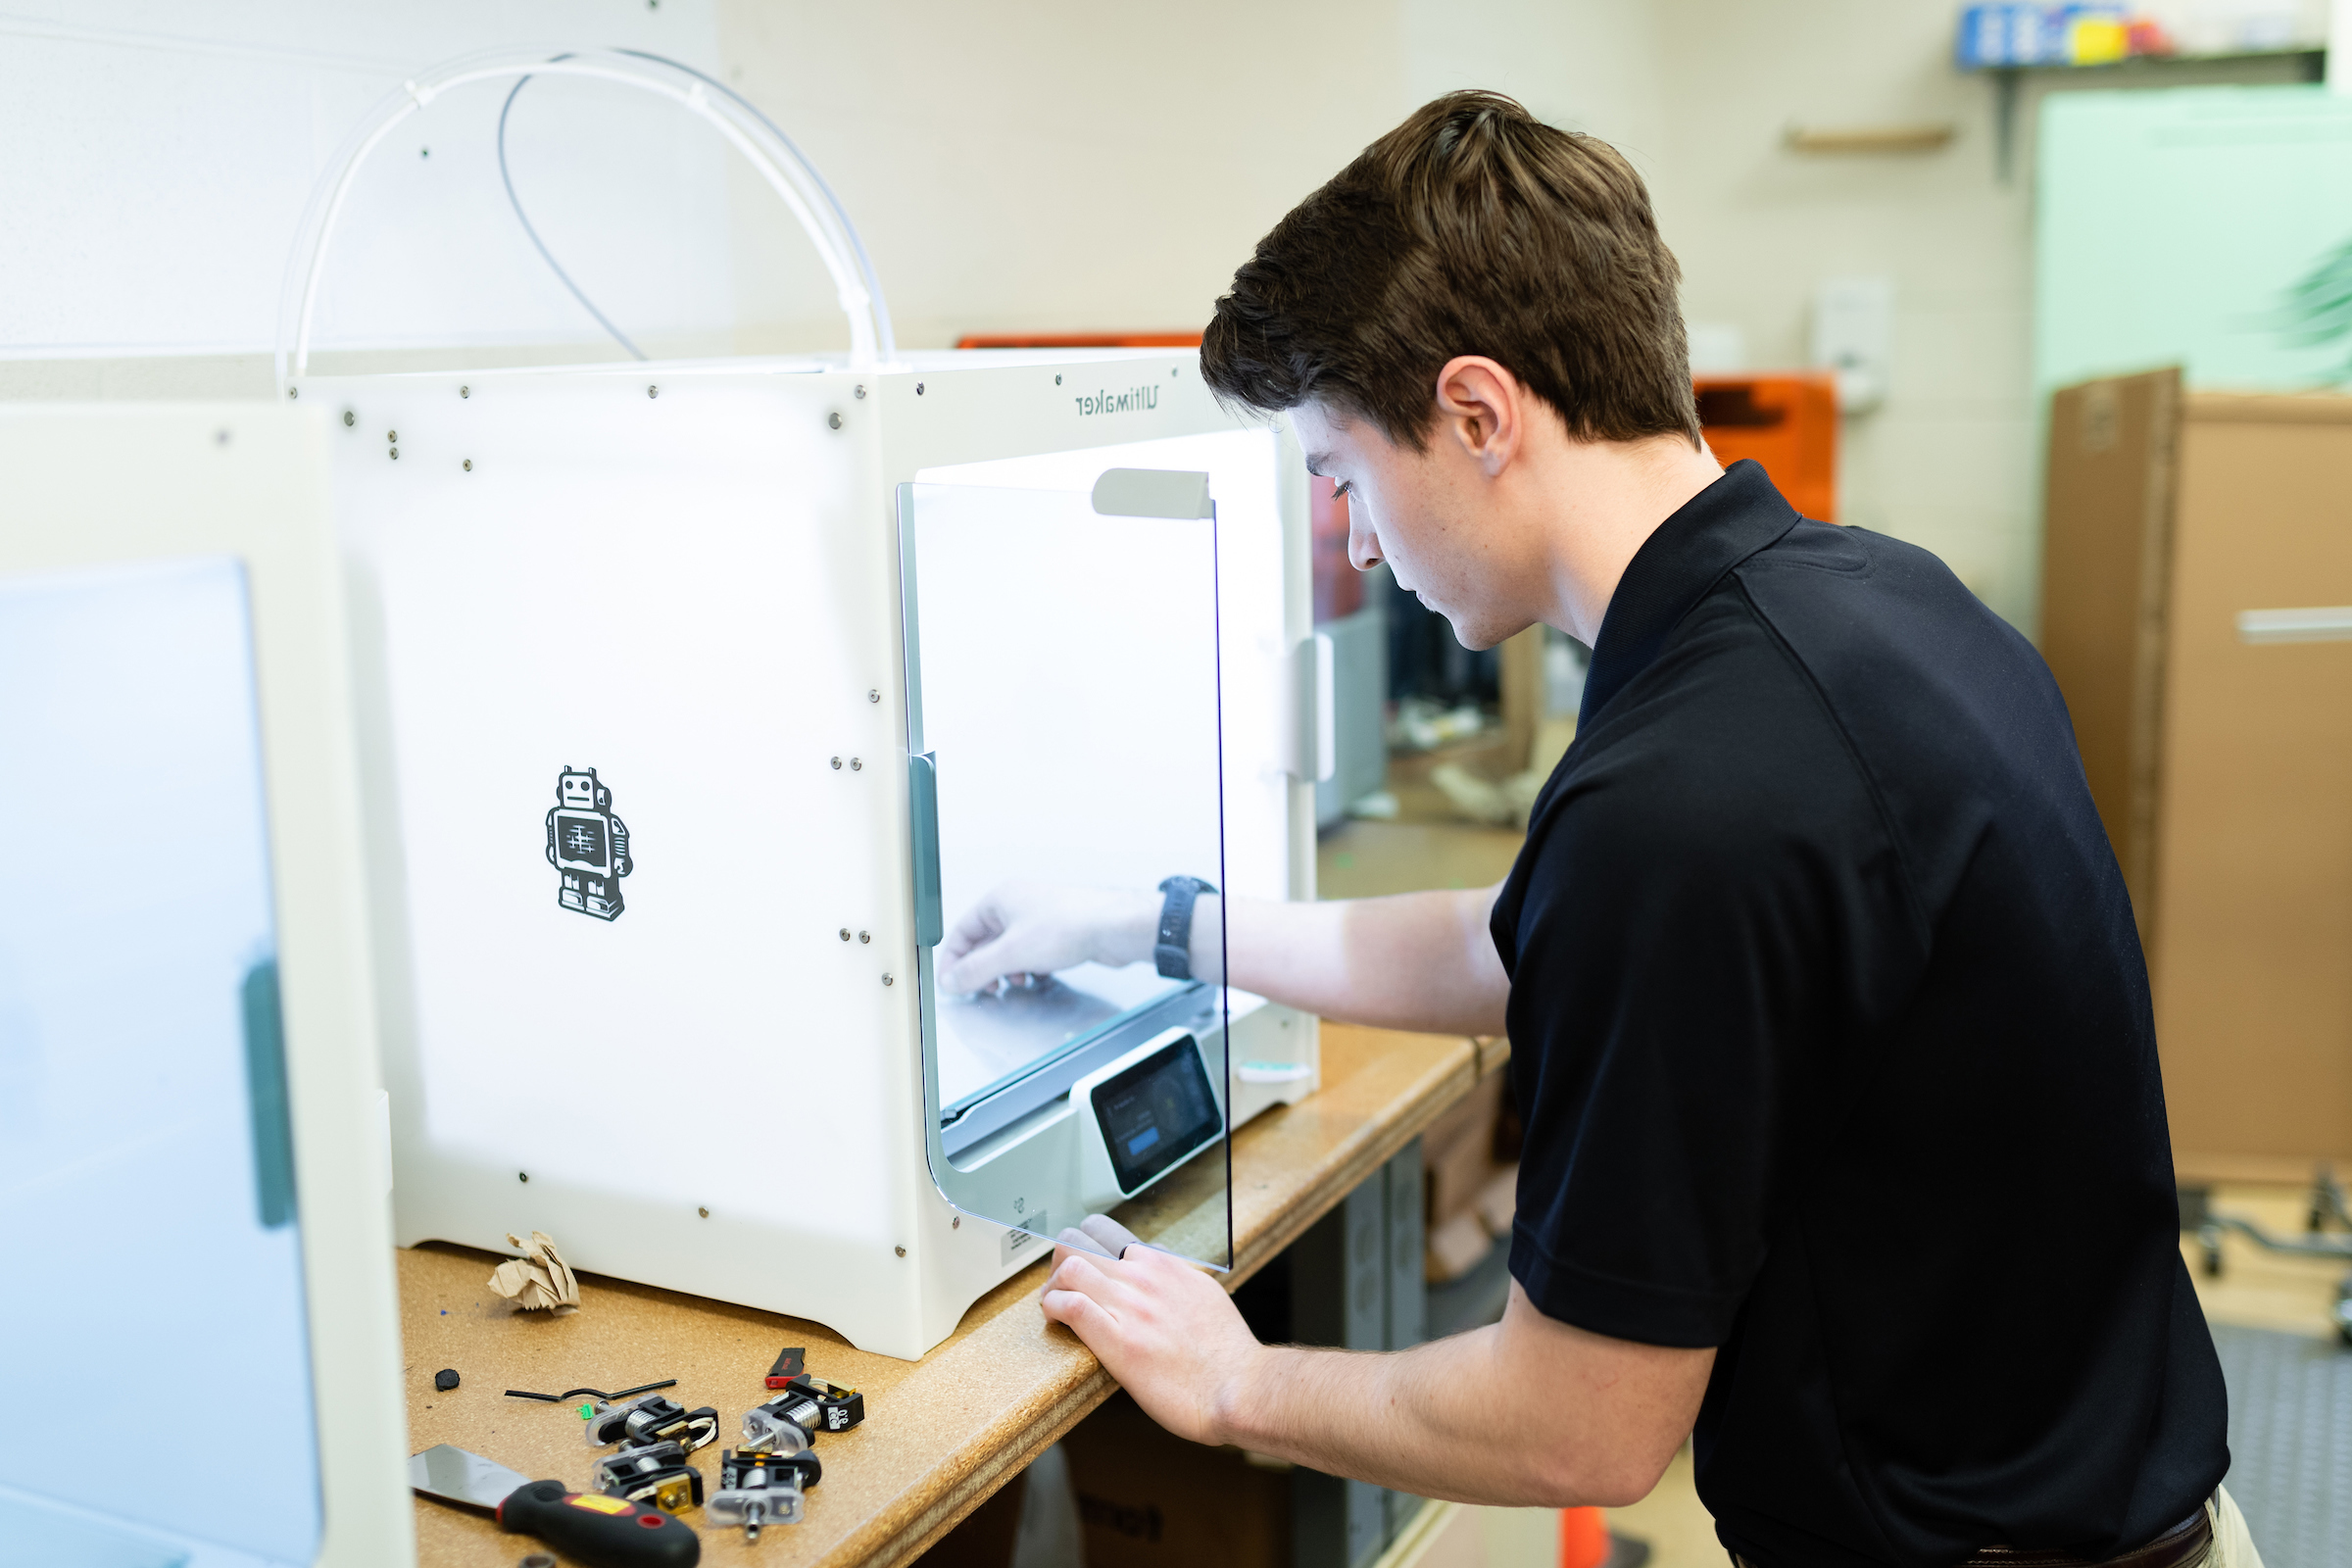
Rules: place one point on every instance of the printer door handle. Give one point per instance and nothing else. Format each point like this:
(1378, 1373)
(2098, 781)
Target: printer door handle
(922, 819)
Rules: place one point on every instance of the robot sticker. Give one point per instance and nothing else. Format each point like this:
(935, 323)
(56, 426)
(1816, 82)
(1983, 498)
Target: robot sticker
(588, 844)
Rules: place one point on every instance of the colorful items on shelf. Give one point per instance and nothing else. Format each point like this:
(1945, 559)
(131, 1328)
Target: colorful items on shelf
(2002, 36)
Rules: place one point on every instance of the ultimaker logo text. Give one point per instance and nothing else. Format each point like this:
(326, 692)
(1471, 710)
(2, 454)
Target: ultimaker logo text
(1135, 400)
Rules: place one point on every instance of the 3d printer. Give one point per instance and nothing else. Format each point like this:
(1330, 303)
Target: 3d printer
(895, 630)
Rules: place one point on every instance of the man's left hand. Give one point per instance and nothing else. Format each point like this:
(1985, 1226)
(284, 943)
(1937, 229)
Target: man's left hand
(1167, 1330)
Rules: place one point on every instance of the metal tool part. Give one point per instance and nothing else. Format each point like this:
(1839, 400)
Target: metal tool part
(616, 1393)
(651, 1419)
(455, 1474)
(842, 1406)
(759, 1489)
(781, 1425)
(655, 1473)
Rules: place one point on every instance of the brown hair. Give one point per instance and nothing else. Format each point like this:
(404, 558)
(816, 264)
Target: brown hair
(1471, 229)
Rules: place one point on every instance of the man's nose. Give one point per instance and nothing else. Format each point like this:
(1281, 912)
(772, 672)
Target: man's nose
(1363, 547)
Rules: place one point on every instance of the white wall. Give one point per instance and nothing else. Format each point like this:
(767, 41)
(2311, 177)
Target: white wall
(159, 157)
(1055, 164)
(1041, 167)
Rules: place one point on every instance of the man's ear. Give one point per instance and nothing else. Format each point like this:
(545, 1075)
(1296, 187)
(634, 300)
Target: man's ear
(1482, 407)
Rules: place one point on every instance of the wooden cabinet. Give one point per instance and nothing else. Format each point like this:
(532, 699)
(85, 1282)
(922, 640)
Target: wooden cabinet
(2198, 612)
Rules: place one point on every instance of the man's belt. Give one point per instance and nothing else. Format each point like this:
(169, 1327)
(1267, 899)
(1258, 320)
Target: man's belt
(2184, 1546)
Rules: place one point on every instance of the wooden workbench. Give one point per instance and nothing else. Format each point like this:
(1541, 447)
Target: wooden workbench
(941, 1434)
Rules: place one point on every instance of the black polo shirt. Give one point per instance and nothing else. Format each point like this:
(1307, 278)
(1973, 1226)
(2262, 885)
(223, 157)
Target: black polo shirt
(1832, 1037)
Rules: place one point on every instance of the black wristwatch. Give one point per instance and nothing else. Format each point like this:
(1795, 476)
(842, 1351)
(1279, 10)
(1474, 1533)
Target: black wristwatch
(1173, 953)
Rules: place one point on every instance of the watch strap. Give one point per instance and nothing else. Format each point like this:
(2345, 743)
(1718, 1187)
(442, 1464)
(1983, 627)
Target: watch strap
(1172, 951)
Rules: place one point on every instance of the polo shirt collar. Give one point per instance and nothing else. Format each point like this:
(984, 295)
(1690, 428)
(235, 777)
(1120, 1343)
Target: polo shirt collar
(1712, 532)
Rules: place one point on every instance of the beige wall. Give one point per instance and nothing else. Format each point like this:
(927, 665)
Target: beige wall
(1946, 462)
(1053, 166)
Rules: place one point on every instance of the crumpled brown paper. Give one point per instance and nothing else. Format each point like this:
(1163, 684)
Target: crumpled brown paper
(538, 1279)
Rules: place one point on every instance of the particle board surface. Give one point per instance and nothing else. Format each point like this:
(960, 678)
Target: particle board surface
(941, 1434)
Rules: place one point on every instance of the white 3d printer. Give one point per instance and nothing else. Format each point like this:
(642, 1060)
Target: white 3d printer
(696, 701)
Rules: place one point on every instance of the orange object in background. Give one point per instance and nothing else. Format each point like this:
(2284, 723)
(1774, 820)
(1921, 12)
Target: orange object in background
(1584, 1538)
(1079, 340)
(1788, 423)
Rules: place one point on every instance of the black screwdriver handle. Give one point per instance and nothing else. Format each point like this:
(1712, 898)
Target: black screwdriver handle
(600, 1531)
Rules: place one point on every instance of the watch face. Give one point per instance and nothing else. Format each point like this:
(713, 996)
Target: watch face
(1155, 1113)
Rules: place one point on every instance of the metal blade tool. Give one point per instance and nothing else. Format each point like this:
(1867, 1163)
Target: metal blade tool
(601, 1531)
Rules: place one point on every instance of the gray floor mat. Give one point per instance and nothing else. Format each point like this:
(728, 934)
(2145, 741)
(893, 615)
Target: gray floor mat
(2290, 1443)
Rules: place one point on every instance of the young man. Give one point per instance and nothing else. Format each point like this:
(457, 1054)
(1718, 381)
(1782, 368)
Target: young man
(1846, 1145)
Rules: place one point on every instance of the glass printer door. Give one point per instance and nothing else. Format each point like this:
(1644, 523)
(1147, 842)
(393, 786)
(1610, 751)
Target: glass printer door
(1063, 764)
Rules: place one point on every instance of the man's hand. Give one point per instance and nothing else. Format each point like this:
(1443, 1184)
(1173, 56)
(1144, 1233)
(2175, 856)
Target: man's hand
(1167, 1330)
(1529, 1412)
(1035, 928)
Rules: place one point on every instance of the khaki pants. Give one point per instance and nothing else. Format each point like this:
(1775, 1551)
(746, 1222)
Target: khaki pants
(2233, 1548)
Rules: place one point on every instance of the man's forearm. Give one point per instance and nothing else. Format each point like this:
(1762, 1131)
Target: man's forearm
(1525, 1413)
(1416, 961)
(1369, 1417)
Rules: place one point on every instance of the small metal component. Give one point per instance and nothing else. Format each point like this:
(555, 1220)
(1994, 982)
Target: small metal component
(705, 1213)
(862, 391)
(468, 464)
(956, 1223)
(863, 937)
(446, 1379)
(833, 419)
(396, 453)
(1057, 381)
(650, 1419)
(465, 391)
(652, 391)
(392, 436)
(873, 695)
(856, 767)
(890, 980)
(842, 1406)
(759, 1489)
(918, 389)
(293, 391)
(901, 1250)
(349, 419)
(522, 1175)
(652, 1473)
(837, 764)
(845, 933)
(782, 1424)
(536, 1559)
(587, 1410)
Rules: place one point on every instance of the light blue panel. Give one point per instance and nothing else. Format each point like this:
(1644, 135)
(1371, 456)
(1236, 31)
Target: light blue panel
(2170, 226)
(145, 1191)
